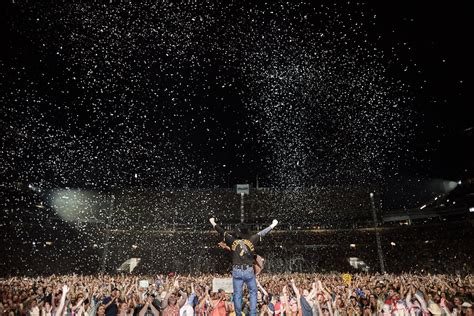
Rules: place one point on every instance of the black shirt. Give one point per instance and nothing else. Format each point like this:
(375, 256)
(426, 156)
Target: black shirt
(243, 250)
(112, 310)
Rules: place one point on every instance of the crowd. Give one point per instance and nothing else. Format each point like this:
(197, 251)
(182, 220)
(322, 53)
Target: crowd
(279, 294)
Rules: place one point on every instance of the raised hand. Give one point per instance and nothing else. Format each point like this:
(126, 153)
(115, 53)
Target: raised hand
(65, 289)
(274, 223)
(213, 221)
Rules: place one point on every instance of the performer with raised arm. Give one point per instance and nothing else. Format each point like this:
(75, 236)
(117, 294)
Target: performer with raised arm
(242, 245)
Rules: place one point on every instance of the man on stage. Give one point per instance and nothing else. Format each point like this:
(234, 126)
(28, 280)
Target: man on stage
(242, 245)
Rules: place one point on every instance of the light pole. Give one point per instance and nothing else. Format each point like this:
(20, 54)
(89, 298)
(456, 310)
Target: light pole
(241, 208)
(105, 252)
(377, 235)
(242, 189)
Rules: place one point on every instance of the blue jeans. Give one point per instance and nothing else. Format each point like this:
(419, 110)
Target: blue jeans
(239, 276)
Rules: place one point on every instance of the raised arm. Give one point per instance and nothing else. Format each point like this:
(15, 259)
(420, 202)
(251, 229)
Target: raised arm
(313, 292)
(164, 302)
(183, 299)
(262, 289)
(318, 306)
(79, 307)
(298, 295)
(284, 300)
(63, 300)
(228, 238)
(192, 295)
(327, 296)
(81, 310)
(219, 229)
(92, 311)
(265, 231)
(408, 298)
(422, 301)
(112, 301)
(295, 289)
(78, 303)
(154, 310)
(144, 308)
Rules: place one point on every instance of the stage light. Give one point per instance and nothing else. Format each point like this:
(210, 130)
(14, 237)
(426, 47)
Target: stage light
(423, 207)
(451, 185)
(74, 205)
(444, 186)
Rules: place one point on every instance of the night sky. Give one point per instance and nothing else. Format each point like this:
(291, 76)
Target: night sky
(207, 94)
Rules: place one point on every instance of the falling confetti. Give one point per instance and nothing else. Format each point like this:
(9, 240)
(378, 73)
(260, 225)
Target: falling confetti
(124, 119)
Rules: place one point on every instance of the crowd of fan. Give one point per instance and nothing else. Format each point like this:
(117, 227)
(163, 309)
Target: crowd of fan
(280, 294)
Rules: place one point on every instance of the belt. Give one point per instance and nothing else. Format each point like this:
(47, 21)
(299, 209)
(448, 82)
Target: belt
(242, 266)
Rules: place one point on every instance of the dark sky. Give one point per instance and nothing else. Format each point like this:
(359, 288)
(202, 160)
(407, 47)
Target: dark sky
(203, 94)
(436, 38)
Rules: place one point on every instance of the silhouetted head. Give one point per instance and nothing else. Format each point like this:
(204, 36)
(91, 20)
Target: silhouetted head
(242, 231)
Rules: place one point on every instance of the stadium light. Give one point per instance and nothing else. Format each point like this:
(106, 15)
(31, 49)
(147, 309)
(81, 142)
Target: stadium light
(74, 205)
